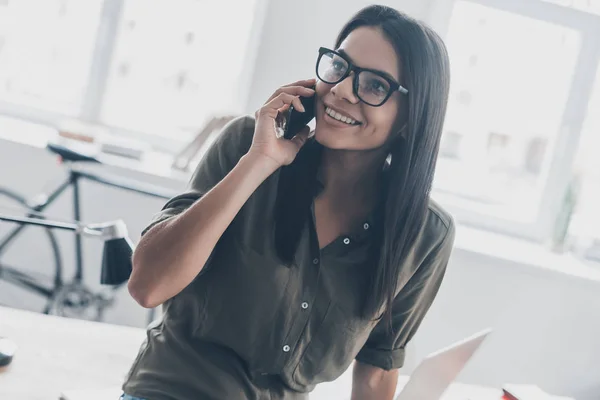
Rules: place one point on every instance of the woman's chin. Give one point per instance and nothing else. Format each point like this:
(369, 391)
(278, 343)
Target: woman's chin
(330, 140)
(334, 140)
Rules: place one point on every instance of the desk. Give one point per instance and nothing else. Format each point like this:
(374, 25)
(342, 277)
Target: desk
(57, 354)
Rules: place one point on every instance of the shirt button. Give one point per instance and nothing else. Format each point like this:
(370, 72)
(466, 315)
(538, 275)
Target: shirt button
(366, 225)
(346, 241)
(316, 261)
(304, 305)
(286, 348)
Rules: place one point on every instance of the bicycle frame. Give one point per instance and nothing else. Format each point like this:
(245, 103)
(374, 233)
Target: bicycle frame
(73, 179)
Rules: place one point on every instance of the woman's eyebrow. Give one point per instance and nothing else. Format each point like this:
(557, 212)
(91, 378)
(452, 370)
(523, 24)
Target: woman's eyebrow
(345, 54)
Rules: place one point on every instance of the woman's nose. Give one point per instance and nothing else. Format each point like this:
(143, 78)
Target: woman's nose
(344, 90)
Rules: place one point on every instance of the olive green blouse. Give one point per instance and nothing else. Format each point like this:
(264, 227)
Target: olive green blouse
(249, 327)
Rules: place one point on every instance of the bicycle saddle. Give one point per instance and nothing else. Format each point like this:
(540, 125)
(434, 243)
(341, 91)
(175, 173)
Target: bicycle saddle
(68, 154)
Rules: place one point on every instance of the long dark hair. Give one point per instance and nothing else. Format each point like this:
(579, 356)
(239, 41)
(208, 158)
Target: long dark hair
(405, 197)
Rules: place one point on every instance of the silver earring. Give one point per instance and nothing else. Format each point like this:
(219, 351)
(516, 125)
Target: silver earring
(388, 162)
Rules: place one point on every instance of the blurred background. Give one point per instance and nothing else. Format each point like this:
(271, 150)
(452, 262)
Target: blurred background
(138, 80)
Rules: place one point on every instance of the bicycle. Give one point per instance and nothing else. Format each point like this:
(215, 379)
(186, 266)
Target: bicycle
(72, 298)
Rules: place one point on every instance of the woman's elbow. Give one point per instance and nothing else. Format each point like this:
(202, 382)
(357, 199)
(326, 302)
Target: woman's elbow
(140, 289)
(142, 295)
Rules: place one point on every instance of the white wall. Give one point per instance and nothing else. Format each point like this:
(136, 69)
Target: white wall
(547, 324)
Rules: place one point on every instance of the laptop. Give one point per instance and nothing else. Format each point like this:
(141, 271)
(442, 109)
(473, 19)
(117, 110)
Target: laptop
(437, 371)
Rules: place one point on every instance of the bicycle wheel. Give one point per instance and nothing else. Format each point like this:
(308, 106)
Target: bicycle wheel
(75, 300)
(15, 244)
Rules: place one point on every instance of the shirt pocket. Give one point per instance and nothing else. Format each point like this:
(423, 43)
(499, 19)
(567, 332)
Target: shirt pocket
(333, 346)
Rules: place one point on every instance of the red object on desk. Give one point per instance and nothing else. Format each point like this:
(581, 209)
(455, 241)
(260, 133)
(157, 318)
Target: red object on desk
(527, 392)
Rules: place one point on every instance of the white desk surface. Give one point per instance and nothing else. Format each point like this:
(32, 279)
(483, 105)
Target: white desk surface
(57, 354)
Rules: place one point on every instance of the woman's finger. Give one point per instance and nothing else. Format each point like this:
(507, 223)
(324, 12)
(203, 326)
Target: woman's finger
(294, 90)
(301, 137)
(298, 104)
(274, 106)
(304, 82)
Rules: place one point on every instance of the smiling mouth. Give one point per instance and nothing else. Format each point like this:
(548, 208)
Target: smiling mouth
(339, 117)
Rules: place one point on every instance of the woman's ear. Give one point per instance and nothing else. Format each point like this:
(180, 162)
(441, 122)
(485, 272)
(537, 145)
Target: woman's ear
(402, 131)
(398, 133)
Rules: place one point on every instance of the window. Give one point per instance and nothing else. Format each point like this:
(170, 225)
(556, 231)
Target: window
(450, 145)
(517, 99)
(159, 67)
(46, 49)
(584, 227)
(176, 62)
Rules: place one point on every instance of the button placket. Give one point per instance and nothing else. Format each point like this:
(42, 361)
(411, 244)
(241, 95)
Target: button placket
(292, 339)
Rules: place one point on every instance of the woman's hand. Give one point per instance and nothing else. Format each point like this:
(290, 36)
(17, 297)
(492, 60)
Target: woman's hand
(265, 143)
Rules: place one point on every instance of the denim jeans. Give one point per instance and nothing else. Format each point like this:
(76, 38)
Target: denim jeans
(128, 397)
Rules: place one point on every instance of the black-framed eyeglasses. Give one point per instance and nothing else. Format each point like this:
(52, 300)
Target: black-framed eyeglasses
(370, 86)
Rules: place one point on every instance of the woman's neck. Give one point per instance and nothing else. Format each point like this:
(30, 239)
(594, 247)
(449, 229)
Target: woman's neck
(351, 173)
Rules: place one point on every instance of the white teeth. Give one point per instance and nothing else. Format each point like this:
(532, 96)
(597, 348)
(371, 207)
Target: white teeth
(339, 117)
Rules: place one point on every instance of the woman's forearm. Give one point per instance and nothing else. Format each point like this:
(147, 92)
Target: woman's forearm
(369, 382)
(171, 254)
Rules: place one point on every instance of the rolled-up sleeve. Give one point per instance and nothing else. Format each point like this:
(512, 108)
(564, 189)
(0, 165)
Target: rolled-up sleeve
(220, 158)
(385, 348)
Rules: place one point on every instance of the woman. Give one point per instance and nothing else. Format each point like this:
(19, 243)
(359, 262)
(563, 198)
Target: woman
(288, 259)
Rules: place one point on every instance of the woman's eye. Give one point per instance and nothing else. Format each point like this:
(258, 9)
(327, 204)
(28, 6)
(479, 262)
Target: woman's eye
(338, 65)
(377, 86)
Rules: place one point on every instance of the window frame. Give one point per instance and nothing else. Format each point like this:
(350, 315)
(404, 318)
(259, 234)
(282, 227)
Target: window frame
(562, 162)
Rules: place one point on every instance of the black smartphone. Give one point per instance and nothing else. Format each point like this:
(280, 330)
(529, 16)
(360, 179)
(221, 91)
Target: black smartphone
(290, 122)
